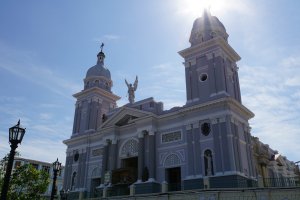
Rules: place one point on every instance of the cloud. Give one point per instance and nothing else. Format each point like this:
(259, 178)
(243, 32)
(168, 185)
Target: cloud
(23, 64)
(272, 93)
(45, 116)
(167, 84)
(107, 37)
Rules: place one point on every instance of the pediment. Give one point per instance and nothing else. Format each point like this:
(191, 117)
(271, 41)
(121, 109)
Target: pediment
(125, 116)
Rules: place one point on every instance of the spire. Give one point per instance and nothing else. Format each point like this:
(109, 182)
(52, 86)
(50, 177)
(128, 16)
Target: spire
(101, 55)
(206, 13)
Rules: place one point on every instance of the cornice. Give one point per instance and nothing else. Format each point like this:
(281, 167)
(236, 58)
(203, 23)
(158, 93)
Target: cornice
(225, 102)
(230, 52)
(97, 91)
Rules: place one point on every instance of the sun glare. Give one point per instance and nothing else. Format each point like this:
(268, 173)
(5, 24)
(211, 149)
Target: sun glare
(194, 8)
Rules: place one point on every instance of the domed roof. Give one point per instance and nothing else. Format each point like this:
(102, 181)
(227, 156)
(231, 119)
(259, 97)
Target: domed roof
(99, 69)
(207, 27)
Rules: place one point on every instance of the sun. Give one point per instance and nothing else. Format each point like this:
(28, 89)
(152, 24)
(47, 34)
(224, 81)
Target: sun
(195, 8)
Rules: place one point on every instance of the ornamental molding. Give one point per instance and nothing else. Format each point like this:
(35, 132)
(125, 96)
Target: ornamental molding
(189, 127)
(217, 41)
(129, 148)
(95, 90)
(100, 78)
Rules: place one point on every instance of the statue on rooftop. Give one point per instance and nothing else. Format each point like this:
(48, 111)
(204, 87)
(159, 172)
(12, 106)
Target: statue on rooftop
(132, 89)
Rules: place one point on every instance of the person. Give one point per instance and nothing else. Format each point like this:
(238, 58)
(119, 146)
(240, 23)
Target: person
(131, 90)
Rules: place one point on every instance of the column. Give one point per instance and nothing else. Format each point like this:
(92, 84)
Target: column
(230, 144)
(104, 161)
(151, 156)
(112, 155)
(140, 156)
(190, 152)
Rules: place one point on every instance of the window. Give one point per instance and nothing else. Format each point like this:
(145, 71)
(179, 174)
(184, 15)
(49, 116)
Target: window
(36, 166)
(73, 181)
(171, 137)
(130, 148)
(76, 156)
(151, 104)
(203, 77)
(17, 164)
(97, 152)
(205, 128)
(87, 85)
(46, 169)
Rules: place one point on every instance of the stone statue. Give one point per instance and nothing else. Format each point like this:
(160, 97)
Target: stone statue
(132, 89)
(208, 157)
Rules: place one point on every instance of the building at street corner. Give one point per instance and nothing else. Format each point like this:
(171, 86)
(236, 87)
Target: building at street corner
(204, 144)
(45, 166)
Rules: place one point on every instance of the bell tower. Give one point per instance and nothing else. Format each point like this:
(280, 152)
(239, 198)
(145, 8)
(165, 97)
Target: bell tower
(210, 62)
(95, 100)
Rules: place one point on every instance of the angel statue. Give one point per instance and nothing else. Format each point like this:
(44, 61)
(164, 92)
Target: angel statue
(132, 89)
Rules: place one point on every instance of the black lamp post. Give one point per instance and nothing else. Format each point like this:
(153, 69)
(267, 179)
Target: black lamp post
(56, 169)
(16, 134)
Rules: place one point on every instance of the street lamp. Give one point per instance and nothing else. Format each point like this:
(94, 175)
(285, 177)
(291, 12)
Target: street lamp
(56, 169)
(16, 134)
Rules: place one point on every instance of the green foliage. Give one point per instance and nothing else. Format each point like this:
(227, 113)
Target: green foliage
(28, 183)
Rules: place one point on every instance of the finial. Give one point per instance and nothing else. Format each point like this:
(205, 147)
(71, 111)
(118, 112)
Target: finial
(101, 47)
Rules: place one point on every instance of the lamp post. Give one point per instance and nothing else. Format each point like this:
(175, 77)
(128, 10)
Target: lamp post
(56, 169)
(16, 134)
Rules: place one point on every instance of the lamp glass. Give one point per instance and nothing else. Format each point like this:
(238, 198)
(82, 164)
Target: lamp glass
(16, 133)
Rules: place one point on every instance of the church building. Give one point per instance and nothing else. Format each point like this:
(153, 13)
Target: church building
(206, 143)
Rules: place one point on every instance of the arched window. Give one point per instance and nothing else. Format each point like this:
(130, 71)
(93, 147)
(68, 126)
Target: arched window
(130, 148)
(73, 183)
(172, 160)
(97, 83)
(104, 118)
(95, 173)
(208, 163)
(87, 85)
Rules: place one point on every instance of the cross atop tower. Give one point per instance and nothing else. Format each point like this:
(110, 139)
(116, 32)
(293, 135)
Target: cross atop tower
(101, 47)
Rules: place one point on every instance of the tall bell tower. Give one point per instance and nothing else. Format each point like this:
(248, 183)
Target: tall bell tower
(95, 100)
(210, 62)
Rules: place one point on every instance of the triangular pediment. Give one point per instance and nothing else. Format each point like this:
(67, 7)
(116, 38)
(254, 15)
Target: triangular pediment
(125, 116)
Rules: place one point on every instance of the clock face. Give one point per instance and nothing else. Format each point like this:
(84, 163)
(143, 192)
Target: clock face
(76, 156)
(205, 128)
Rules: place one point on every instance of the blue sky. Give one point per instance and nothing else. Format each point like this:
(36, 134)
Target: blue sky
(46, 47)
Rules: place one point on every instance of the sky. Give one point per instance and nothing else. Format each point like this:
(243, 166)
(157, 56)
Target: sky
(46, 47)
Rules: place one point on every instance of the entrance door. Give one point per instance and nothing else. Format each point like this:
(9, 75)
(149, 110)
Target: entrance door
(130, 162)
(95, 183)
(174, 178)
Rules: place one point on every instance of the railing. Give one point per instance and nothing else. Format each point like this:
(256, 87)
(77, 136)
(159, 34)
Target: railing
(280, 182)
(219, 194)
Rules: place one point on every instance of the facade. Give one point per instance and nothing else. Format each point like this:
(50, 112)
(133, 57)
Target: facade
(274, 169)
(40, 165)
(204, 144)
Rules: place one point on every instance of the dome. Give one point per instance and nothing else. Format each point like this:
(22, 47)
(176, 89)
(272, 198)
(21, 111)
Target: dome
(206, 28)
(99, 69)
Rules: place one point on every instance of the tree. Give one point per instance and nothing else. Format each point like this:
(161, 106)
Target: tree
(28, 183)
